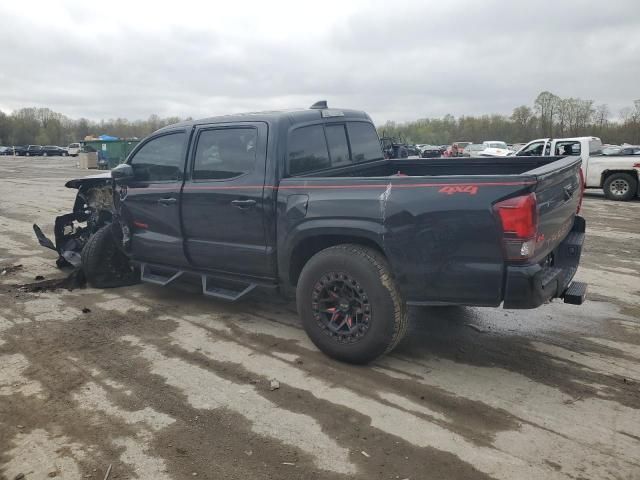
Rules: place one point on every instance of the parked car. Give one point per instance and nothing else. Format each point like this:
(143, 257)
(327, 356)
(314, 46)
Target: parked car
(430, 151)
(304, 201)
(456, 149)
(6, 150)
(472, 150)
(33, 151)
(617, 175)
(494, 148)
(19, 150)
(621, 150)
(74, 149)
(52, 150)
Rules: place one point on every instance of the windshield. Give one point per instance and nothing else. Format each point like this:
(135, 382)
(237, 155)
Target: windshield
(495, 145)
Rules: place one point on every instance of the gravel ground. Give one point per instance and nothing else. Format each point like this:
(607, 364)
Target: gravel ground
(166, 384)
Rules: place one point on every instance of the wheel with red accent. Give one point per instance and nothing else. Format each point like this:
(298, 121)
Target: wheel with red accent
(349, 303)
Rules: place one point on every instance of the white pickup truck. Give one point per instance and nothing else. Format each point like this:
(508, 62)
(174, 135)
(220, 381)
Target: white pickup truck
(617, 175)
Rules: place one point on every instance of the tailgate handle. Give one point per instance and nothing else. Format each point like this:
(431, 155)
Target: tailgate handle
(569, 191)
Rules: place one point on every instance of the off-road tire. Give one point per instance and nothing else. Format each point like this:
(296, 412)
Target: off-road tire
(388, 319)
(104, 264)
(620, 178)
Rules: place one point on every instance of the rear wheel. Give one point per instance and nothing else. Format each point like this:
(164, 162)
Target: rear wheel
(620, 186)
(44, 154)
(103, 263)
(349, 303)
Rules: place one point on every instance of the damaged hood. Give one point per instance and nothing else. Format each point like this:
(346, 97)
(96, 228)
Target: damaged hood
(89, 180)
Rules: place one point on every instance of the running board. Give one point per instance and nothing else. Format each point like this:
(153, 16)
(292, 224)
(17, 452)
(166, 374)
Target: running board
(224, 293)
(158, 276)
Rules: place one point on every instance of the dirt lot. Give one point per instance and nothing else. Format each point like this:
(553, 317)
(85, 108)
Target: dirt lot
(165, 384)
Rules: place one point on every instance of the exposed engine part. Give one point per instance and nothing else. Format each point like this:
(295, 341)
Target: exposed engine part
(93, 209)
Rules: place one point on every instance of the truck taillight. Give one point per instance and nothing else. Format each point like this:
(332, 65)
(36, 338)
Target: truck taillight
(582, 187)
(519, 220)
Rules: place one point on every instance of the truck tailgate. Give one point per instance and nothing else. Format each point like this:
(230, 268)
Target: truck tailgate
(558, 194)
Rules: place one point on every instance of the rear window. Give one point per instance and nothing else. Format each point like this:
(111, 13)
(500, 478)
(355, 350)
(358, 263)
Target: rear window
(318, 147)
(338, 147)
(365, 145)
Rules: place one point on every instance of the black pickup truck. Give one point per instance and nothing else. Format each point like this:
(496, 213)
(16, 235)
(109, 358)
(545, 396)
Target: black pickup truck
(304, 201)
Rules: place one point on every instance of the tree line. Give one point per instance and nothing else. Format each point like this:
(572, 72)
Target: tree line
(549, 116)
(43, 126)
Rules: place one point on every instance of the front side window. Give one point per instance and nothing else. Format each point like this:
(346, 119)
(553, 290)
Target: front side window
(308, 150)
(225, 153)
(533, 150)
(161, 159)
(365, 145)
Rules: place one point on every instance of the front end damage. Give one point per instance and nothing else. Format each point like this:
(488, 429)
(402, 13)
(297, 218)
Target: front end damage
(94, 207)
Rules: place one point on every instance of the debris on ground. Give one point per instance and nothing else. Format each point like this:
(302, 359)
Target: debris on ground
(274, 385)
(106, 476)
(86, 310)
(10, 269)
(19, 476)
(365, 454)
(74, 280)
(289, 463)
(39, 278)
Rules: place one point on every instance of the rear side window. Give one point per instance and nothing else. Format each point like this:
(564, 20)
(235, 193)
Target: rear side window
(567, 148)
(308, 150)
(338, 147)
(225, 153)
(160, 159)
(365, 145)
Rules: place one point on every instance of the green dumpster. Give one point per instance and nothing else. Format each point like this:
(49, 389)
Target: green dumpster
(113, 151)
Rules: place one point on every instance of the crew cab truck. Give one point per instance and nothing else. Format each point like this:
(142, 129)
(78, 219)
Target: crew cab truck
(618, 176)
(303, 201)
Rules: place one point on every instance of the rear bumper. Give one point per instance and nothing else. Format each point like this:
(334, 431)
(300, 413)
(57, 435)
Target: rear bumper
(529, 286)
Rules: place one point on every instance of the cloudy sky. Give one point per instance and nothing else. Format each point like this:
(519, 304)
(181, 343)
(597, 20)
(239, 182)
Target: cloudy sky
(399, 60)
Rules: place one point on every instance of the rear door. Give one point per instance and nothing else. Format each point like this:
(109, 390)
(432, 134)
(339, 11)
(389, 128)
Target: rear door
(151, 201)
(222, 200)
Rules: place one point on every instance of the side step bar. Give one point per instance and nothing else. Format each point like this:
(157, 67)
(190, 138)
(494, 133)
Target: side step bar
(158, 277)
(164, 276)
(225, 293)
(576, 293)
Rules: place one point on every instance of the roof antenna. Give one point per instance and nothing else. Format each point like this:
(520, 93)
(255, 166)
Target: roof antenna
(322, 104)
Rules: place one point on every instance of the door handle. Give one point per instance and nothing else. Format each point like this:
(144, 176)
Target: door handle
(243, 203)
(167, 201)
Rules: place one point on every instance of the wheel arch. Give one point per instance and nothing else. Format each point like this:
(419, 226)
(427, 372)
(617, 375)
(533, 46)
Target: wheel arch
(307, 243)
(607, 173)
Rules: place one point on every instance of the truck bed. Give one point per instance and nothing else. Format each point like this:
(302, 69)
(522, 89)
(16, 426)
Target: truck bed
(441, 167)
(436, 221)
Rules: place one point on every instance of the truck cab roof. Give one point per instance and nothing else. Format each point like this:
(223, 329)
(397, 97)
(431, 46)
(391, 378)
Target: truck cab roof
(292, 116)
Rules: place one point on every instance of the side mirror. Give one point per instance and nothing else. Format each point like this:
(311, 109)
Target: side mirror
(122, 173)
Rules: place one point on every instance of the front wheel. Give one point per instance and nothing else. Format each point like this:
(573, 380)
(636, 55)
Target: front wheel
(620, 186)
(349, 303)
(104, 265)
(44, 154)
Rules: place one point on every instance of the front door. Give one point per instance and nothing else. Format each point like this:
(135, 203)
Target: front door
(222, 200)
(151, 201)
